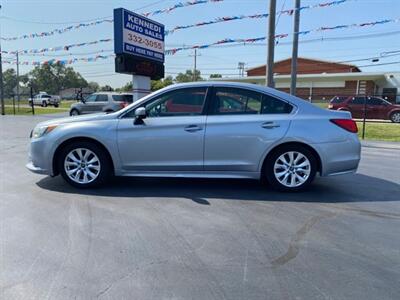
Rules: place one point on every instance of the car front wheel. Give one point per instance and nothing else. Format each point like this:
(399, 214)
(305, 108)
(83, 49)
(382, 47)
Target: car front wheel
(291, 168)
(74, 112)
(395, 117)
(44, 104)
(84, 164)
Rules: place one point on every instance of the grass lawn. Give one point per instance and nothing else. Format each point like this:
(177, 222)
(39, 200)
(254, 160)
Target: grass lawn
(380, 132)
(38, 110)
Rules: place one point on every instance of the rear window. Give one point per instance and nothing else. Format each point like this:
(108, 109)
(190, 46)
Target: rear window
(123, 98)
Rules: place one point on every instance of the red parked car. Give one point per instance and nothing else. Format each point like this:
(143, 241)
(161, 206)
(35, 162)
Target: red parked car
(375, 107)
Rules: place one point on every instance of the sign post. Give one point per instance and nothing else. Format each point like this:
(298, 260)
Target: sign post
(139, 49)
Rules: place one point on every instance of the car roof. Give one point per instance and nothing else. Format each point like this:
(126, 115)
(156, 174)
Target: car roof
(249, 86)
(112, 93)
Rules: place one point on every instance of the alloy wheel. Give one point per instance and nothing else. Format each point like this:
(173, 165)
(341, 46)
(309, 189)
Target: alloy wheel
(396, 117)
(82, 165)
(292, 169)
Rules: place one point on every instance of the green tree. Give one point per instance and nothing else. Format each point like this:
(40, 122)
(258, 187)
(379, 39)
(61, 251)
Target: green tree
(54, 78)
(161, 83)
(94, 86)
(215, 76)
(106, 88)
(9, 82)
(127, 87)
(188, 76)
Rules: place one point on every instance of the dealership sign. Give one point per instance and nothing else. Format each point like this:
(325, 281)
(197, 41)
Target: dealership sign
(138, 36)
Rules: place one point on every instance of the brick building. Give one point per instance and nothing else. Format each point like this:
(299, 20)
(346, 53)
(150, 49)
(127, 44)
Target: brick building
(321, 80)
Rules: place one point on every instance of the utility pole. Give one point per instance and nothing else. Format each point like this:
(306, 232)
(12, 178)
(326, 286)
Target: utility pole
(241, 68)
(18, 80)
(269, 71)
(1, 79)
(195, 65)
(295, 48)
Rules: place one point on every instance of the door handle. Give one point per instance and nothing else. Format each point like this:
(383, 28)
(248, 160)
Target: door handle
(193, 128)
(269, 125)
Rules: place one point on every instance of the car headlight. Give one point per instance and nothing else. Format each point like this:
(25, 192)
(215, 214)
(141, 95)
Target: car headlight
(40, 131)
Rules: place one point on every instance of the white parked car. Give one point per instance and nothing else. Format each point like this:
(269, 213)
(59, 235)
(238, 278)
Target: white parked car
(44, 99)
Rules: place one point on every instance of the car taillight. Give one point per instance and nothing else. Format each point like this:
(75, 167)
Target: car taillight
(347, 124)
(123, 104)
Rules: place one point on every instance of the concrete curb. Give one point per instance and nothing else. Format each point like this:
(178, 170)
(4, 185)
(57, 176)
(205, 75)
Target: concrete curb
(381, 145)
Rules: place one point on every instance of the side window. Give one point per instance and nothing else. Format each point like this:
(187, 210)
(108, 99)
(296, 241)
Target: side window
(91, 98)
(102, 98)
(357, 100)
(236, 101)
(182, 102)
(374, 101)
(271, 105)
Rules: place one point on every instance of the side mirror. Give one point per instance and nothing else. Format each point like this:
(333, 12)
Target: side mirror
(140, 114)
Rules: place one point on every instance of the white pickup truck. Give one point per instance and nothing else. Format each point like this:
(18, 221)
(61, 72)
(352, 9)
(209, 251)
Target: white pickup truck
(44, 100)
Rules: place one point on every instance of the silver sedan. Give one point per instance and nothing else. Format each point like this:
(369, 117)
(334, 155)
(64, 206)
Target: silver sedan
(207, 130)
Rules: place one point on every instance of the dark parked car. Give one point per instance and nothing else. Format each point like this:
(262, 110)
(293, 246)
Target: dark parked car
(375, 107)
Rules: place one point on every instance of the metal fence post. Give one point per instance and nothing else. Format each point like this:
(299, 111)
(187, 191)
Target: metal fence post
(13, 96)
(32, 105)
(364, 117)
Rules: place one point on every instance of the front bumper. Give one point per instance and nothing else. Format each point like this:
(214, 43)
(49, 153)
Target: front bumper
(31, 167)
(40, 157)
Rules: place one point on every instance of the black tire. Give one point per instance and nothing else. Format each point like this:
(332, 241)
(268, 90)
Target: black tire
(44, 104)
(269, 172)
(56, 105)
(105, 164)
(395, 117)
(71, 113)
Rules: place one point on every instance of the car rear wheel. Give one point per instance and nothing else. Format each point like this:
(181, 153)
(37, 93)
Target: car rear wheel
(291, 168)
(56, 105)
(74, 112)
(44, 103)
(395, 117)
(84, 164)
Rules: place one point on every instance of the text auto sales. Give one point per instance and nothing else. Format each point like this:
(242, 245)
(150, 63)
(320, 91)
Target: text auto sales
(144, 27)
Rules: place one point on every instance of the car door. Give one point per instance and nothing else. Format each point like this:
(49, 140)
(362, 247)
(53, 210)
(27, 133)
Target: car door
(100, 102)
(242, 124)
(356, 106)
(87, 106)
(376, 108)
(171, 137)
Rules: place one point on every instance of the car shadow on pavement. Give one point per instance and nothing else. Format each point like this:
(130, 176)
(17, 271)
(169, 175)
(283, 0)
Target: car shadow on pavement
(348, 188)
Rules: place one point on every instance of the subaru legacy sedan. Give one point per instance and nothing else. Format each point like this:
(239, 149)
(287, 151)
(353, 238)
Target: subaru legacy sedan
(206, 130)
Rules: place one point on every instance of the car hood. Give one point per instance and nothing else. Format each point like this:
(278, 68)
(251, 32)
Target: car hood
(86, 118)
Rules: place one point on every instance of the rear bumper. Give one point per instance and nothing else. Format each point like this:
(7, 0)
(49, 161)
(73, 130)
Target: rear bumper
(339, 158)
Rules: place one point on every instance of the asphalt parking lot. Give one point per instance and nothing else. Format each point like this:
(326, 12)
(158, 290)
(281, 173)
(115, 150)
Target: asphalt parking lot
(197, 239)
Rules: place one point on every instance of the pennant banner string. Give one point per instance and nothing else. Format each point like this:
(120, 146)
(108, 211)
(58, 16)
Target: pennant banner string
(179, 27)
(288, 12)
(281, 36)
(58, 48)
(224, 41)
(60, 61)
(107, 20)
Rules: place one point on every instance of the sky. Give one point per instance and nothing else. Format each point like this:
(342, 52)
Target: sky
(18, 17)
